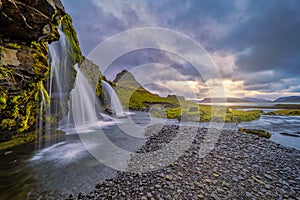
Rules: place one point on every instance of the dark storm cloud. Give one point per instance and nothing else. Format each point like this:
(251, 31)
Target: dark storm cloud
(92, 24)
(140, 57)
(262, 35)
(270, 36)
(158, 88)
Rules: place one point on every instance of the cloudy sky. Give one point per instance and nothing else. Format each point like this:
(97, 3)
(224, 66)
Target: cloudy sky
(254, 44)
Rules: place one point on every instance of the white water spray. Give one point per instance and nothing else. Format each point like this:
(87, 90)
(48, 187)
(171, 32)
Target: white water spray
(83, 101)
(114, 100)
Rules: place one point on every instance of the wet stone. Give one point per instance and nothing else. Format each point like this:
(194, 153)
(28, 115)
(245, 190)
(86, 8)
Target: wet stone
(240, 166)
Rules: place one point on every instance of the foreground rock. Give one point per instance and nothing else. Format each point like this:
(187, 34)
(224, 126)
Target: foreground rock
(26, 30)
(261, 133)
(241, 166)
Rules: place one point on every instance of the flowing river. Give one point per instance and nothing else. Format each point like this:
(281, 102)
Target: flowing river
(62, 165)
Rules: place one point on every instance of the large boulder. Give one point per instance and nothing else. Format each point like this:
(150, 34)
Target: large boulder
(26, 29)
(25, 20)
(258, 132)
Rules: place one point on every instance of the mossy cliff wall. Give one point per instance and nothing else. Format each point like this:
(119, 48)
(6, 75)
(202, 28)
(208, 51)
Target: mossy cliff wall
(26, 29)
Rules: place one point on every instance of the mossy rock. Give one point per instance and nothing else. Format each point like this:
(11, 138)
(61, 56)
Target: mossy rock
(18, 139)
(261, 133)
(23, 79)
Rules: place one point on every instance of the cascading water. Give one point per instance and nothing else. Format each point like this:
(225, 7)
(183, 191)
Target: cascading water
(114, 100)
(78, 106)
(83, 101)
(61, 80)
(61, 161)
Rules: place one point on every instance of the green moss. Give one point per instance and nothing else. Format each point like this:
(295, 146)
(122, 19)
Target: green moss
(5, 72)
(19, 109)
(99, 87)
(73, 47)
(3, 100)
(1, 49)
(8, 124)
(25, 124)
(14, 46)
(44, 94)
(261, 133)
(39, 52)
(18, 139)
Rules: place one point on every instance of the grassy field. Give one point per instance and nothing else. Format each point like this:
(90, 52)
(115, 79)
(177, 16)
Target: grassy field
(139, 99)
(174, 108)
(206, 113)
(133, 96)
(285, 112)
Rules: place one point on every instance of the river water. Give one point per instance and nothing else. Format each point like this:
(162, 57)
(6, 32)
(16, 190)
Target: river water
(278, 125)
(62, 165)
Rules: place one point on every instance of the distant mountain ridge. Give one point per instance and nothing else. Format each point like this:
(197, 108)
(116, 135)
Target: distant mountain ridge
(258, 100)
(288, 99)
(222, 100)
(249, 99)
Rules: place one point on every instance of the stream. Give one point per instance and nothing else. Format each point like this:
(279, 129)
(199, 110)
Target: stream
(63, 165)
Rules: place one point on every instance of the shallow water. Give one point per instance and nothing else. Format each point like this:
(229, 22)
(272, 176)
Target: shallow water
(277, 124)
(63, 165)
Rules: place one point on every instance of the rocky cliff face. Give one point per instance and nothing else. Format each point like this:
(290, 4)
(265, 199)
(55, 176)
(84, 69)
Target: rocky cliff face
(26, 29)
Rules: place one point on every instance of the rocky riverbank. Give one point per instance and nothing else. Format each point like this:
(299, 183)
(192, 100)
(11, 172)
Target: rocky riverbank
(241, 166)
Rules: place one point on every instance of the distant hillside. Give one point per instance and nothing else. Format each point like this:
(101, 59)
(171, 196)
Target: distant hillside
(126, 79)
(132, 95)
(223, 100)
(257, 100)
(288, 99)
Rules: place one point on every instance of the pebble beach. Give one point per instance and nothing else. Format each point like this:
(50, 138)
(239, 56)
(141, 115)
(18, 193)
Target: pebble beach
(240, 166)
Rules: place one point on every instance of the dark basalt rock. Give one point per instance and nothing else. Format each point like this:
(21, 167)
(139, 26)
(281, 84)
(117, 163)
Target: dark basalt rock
(25, 19)
(110, 111)
(26, 29)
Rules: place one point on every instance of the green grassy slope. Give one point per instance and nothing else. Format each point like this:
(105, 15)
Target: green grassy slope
(133, 96)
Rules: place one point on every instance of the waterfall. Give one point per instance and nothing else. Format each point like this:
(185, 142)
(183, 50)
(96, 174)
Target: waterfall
(72, 107)
(60, 82)
(115, 103)
(83, 101)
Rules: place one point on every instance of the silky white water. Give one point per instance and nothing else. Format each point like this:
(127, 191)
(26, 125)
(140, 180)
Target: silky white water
(58, 60)
(114, 100)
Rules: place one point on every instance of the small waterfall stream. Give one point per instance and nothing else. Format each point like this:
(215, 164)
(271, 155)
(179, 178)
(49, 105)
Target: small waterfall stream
(61, 161)
(83, 101)
(60, 81)
(78, 106)
(115, 103)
